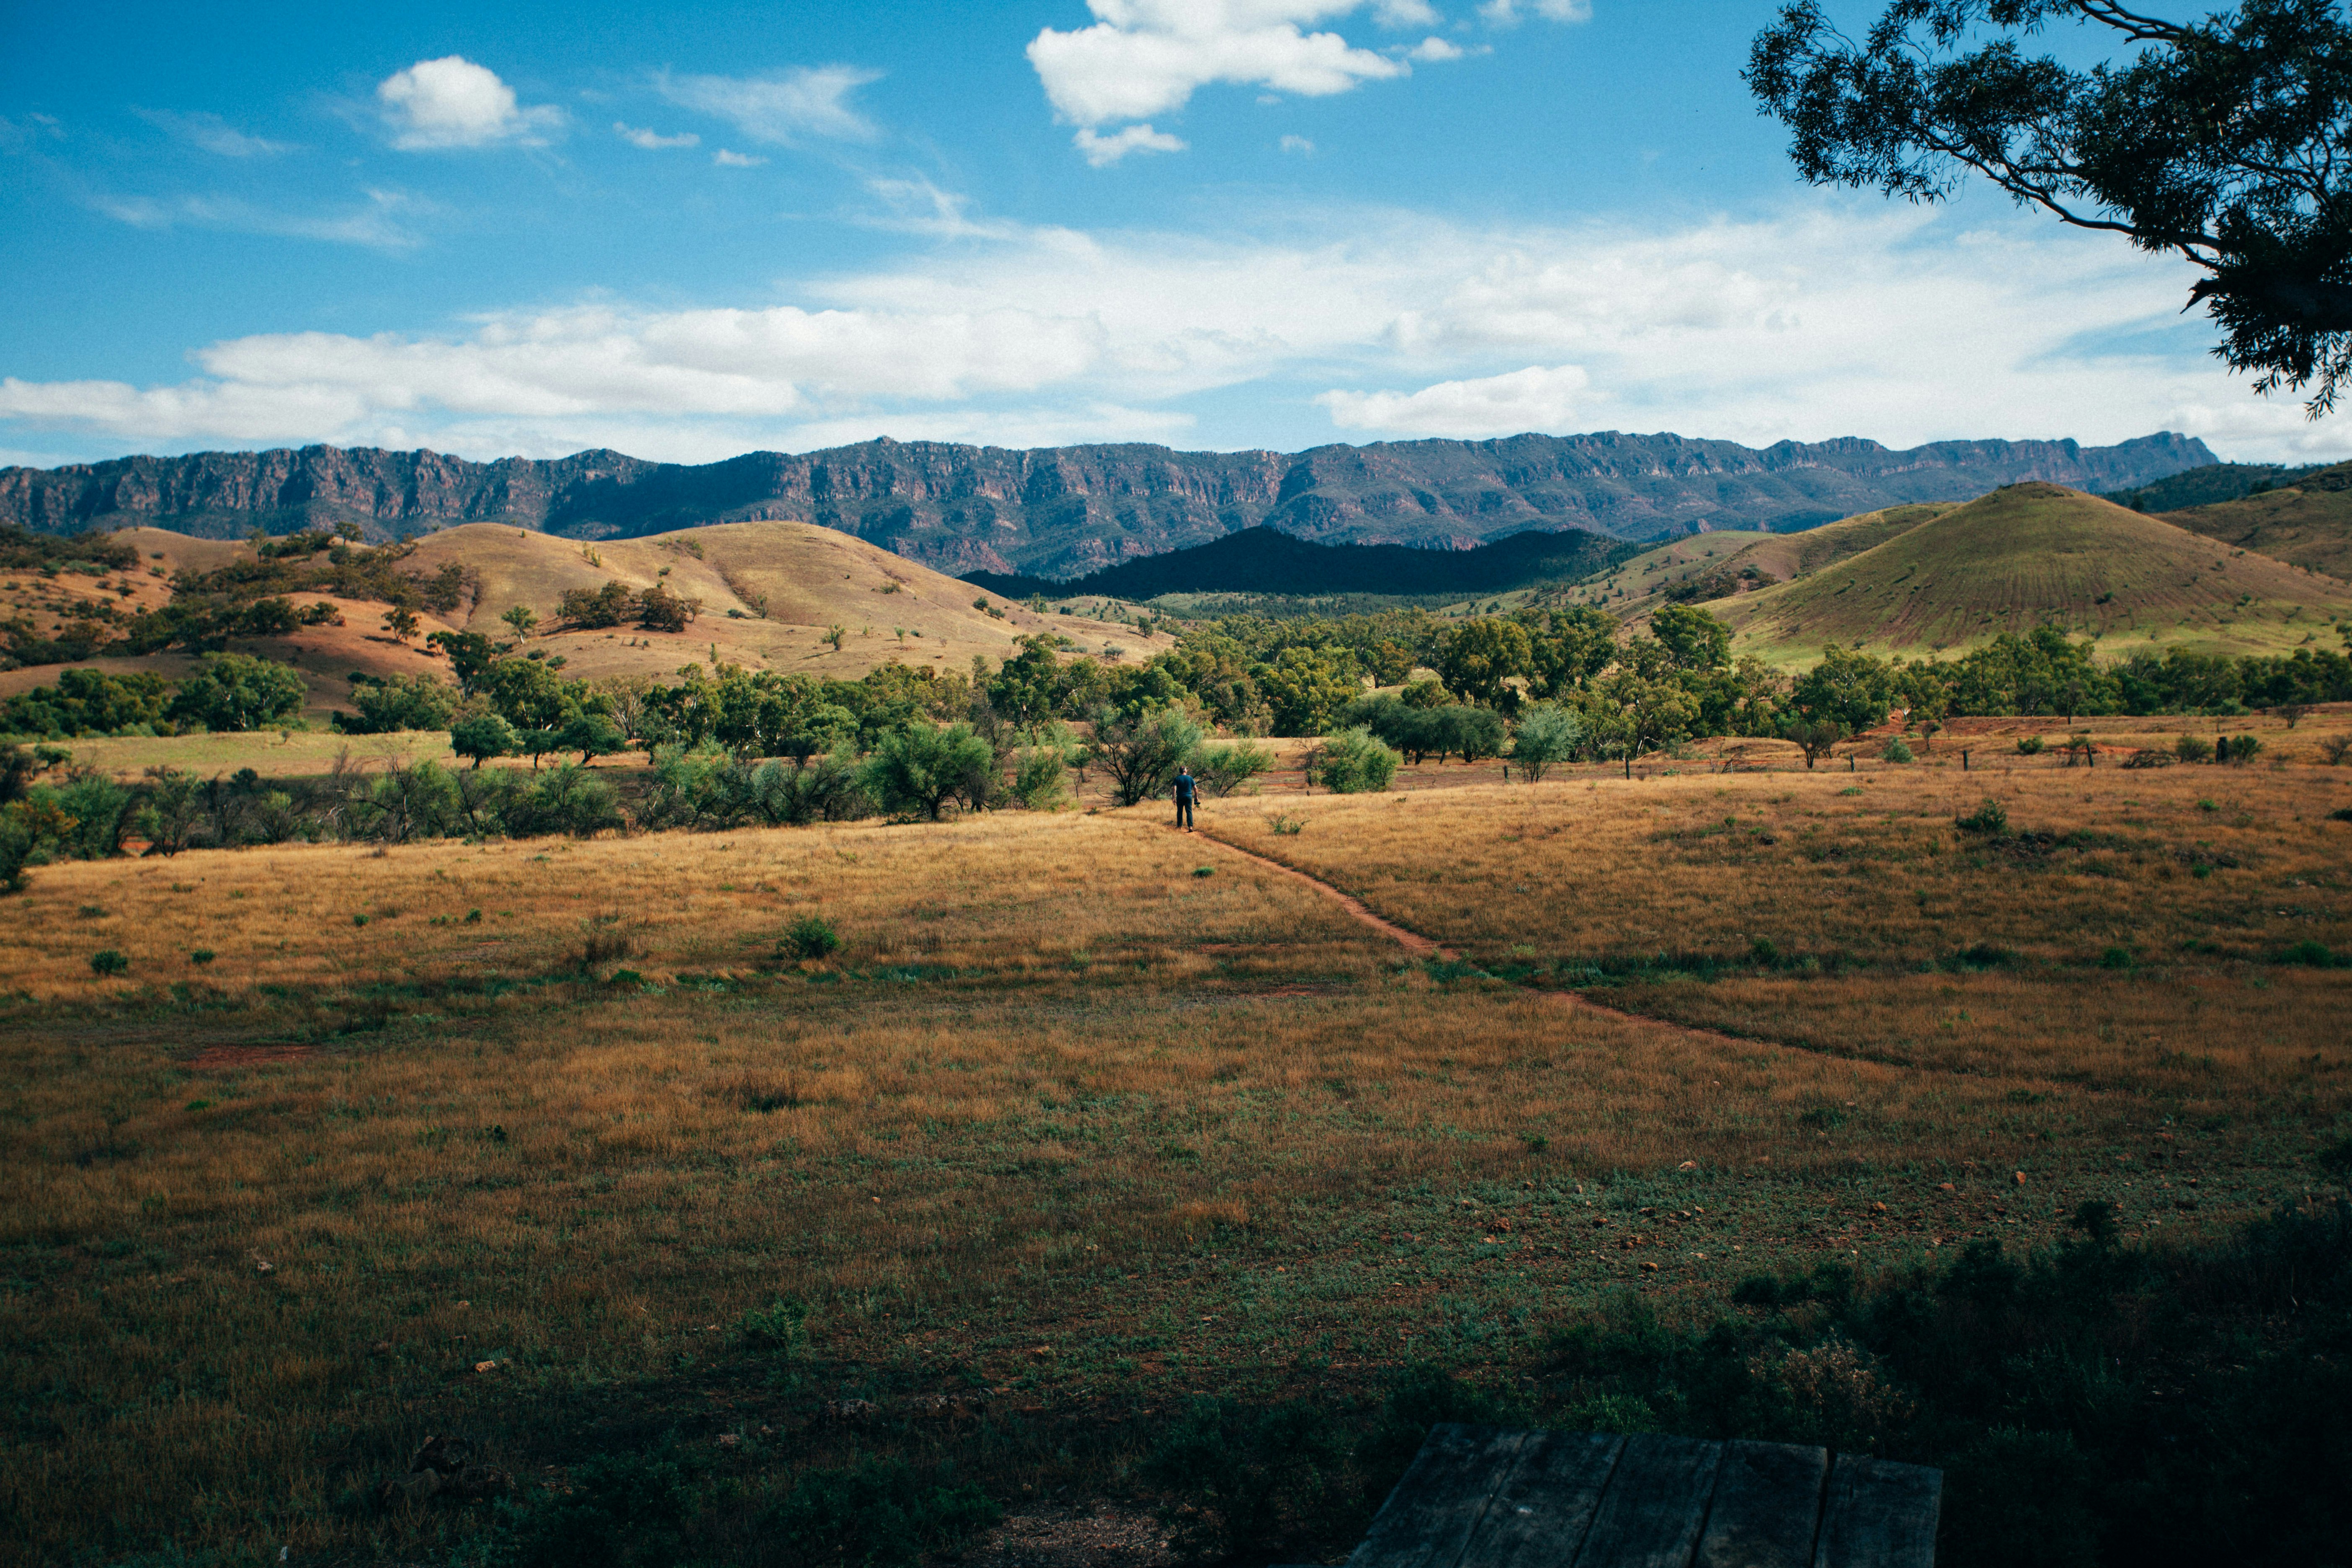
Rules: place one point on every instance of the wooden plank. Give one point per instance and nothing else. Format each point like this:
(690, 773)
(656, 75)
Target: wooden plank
(1655, 1503)
(1541, 1513)
(1768, 1507)
(1428, 1519)
(1879, 1515)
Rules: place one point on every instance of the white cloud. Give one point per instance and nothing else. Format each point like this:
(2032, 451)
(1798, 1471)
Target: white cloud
(1298, 144)
(1405, 14)
(1507, 13)
(728, 159)
(213, 134)
(653, 141)
(1557, 400)
(1831, 319)
(453, 102)
(808, 101)
(1435, 49)
(1143, 57)
(1104, 151)
(375, 225)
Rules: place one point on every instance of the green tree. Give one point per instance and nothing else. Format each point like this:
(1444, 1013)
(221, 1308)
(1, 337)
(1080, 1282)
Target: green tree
(1306, 687)
(1548, 735)
(918, 769)
(86, 702)
(1693, 640)
(394, 702)
(1143, 754)
(400, 621)
(470, 656)
(2222, 141)
(1355, 762)
(482, 736)
(1845, 687)
(521, 619)
(232, 691)
(1478, 657)
(592, 735)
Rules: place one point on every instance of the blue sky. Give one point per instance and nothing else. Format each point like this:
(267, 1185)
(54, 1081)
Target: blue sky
(687, 231)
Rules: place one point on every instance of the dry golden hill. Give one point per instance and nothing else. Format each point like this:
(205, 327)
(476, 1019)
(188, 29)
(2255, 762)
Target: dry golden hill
(2307, 524)
(2031, 555)
(770, 593)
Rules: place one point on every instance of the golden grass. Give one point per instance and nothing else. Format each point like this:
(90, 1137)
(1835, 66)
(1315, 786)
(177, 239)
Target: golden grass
(1062, 1116)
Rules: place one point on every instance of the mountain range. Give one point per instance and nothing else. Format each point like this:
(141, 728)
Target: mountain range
(1067, 511)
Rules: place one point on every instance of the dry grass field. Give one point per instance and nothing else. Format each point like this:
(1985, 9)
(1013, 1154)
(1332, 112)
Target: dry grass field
(1081, 1118)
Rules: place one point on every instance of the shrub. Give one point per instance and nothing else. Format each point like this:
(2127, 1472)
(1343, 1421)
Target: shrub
(1287, 826)
(2237, 750)
(1990, 818)
(2193, 749)
(1897, 751)
(106, 961)
(781, 1325)
(1355, 762)
(85, 702)
(394, 703)
(2029, 745)
(811, 936)
(1220, 769)
(2116, 958)
(916, 770)
(1548, 735)
(567, 799)
(2147, 757)
(1041, 777)
(2309, 955)
(2335, 749)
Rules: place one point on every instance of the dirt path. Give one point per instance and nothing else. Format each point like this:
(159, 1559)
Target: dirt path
(1412, 941)
(1421, 946)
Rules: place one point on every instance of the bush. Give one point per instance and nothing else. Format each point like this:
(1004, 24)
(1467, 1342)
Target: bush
(2029, 745)
(1897, 751)
(2310, 954)
(2193, 749)
(1040, 776)
(1991, 818)
(1222, 769)
(811, 936)
(781, 1326)
(2335, 749)
(1355, 762)
(568, 799)
(918, 769)
(106, 961)
(85, 702)
(394, 703)
(481, 736)
(2237, 750)
(1548, 735)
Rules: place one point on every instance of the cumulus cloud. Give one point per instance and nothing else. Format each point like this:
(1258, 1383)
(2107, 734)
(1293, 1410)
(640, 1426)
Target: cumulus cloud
(1143, 57)
(1405, 14)
(1435, 49)
(1298, 144)
(1557, 399)
(453, 102)
(726, 158)
(1101, 152)
(1828, 319)
(653, 141)
(213, 134)
(784, 108)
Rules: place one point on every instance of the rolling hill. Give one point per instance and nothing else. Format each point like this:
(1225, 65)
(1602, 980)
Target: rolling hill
(1717, 565)
(2305, 520)
(1067, 511)
(770, 592)
(2031, 555)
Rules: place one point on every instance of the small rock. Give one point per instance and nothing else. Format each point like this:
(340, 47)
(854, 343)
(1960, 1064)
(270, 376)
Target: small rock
(1687, 1166)
(486, 1366)
(728, 1439)
(1649, 1268)
(1944, 1186)
(1878, 1208)
(2018, 1176)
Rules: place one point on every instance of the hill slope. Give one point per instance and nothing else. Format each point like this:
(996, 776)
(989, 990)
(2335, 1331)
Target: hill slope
(1267, 561)
(785, 583)
(2308, 521)
(2031, 555)
(1064, 511)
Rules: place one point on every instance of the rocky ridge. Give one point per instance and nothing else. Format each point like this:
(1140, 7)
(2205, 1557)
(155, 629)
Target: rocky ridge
(1067, 511)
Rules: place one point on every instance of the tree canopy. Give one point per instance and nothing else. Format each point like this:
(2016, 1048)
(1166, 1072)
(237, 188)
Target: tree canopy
(2219, 141)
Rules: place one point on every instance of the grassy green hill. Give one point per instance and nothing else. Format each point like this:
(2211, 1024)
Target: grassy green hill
(2034, 553)
(2307, 523)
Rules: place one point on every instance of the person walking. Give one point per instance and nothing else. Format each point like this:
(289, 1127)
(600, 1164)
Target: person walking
(1187, 790)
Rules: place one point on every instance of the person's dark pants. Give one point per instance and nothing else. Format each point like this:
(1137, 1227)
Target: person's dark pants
(1183, 814)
